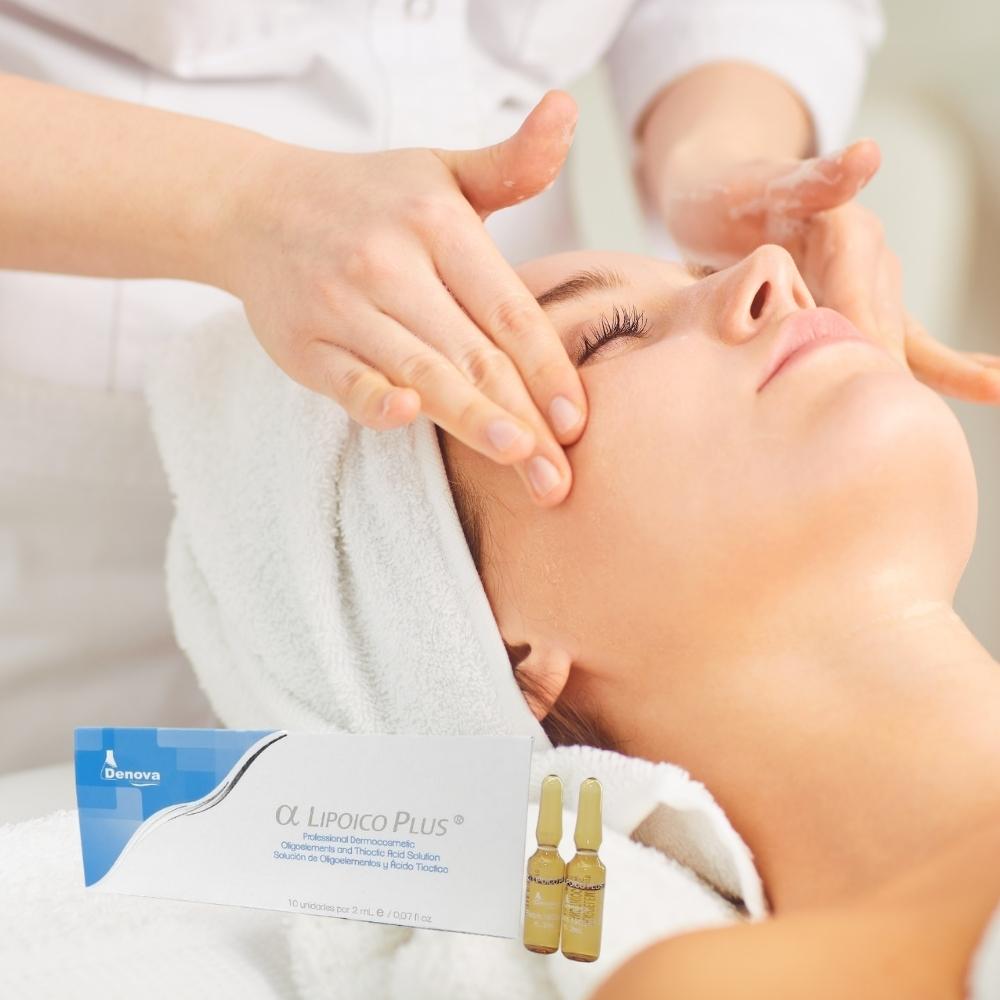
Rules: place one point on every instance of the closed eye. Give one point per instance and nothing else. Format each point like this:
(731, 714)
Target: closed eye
(630, 322)
(627, 322)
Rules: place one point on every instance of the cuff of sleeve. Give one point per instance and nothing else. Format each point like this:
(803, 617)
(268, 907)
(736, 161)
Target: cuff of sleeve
(984, 970)
(818, 48)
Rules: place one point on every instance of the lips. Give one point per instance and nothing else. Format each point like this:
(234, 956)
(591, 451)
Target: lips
(806, 330)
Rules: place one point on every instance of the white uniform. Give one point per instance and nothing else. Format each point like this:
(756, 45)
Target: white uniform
(83, 504)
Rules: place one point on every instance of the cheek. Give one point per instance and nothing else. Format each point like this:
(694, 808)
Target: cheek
(660, 432)
(880, 458)
(652, 474)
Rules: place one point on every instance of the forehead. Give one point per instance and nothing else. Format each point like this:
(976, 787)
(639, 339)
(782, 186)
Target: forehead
(542, 273)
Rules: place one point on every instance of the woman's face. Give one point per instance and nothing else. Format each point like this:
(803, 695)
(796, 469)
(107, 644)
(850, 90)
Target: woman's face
(704, 503)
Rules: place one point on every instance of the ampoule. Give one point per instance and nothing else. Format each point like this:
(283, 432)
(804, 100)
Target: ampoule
(583, 907)
(546, 874)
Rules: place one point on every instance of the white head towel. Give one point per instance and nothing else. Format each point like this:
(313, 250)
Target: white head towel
(317, 572)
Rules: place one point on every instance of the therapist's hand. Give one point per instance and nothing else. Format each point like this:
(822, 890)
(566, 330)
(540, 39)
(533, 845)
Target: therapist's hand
(839, 247)
(370, 278)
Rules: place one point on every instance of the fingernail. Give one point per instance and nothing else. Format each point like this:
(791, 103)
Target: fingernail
(563, 414)
(387, 401)
(543, 475)
(502, 433)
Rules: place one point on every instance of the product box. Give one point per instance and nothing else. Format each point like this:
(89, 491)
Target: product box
(421, 831)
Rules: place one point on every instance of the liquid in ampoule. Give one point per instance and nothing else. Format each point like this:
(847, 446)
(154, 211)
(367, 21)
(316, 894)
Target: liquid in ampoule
(546, 879)
(583, 905)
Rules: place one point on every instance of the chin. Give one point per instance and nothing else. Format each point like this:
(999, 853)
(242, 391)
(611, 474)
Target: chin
(889, 466)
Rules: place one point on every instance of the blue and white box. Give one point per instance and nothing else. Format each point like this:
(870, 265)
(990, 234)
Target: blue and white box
(420, 831)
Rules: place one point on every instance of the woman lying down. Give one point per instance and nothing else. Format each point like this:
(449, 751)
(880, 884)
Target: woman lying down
(752, 578)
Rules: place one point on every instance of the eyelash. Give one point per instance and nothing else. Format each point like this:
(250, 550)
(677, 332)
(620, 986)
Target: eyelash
(630, 322)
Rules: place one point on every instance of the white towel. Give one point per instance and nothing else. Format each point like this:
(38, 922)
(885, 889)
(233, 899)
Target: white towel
(317, 573)
(58, 939)
(57, 936)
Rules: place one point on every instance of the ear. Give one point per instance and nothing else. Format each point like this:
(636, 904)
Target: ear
(546, 669)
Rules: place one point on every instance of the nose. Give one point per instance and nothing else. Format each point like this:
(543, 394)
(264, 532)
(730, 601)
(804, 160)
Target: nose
(759, 292)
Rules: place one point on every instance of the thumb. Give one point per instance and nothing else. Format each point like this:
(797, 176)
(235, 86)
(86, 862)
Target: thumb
(822, 183)
(521, 166)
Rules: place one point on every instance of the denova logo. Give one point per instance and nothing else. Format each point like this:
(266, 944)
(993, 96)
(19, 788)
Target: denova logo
(139, 779)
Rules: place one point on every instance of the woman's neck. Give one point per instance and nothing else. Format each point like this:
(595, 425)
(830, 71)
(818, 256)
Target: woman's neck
(841, 758)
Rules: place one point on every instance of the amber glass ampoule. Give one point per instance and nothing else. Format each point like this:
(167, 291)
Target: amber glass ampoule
(546, 874)
(583, 906)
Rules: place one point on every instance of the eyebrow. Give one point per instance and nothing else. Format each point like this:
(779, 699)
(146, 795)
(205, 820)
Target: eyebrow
(576, 286)
(582, 283)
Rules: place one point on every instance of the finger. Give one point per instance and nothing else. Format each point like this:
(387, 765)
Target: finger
(441, 323)
(990, 360)
(459, 407)
(823, 182)
(891, 316)
(948, 371)
(521, 165)
(366, 394)
(490, 291)
(840, 269)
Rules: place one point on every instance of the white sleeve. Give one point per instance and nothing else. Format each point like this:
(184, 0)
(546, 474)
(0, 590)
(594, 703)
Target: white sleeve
(820, 47)
(983, 982)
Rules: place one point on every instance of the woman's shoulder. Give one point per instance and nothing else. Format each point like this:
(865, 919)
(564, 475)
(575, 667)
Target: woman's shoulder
(823, 954)
(949, 899)
(913, 936)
